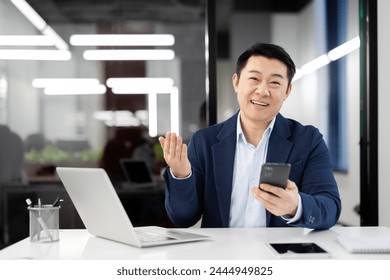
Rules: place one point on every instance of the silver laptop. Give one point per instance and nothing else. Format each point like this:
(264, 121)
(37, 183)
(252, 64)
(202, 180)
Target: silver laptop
(102, 213)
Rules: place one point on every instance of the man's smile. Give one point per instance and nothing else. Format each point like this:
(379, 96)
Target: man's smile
(258, 103)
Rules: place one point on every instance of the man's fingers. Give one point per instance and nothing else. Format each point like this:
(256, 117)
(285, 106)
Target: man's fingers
(184, 152)
(179, 143)
(175, 154)
(175, 151)
(172, 145)
(162, 141)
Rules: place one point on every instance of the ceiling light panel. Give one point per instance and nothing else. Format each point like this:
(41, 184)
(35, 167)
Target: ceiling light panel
(122, 40)
(129, 55)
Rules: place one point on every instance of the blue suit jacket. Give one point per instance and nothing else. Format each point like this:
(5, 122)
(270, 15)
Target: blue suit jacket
(211, 151)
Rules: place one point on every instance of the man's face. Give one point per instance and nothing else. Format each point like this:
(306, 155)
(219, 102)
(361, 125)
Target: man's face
(261, 89)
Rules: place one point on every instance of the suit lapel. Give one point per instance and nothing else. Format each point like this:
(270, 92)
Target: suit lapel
(279, 147)
(223, 162)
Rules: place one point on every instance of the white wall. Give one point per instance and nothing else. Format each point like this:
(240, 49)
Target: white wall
(383, 110)
(246, 28)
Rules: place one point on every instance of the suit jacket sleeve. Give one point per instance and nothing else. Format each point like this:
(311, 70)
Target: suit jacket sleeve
(313, 174)
(184, 197)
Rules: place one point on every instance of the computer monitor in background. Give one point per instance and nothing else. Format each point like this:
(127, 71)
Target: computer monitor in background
(137, 172)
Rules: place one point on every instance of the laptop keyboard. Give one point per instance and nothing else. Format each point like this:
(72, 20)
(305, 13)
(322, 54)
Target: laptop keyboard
(147, 237)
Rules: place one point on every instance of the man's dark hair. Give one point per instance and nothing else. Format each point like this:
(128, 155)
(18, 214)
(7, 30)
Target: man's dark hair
(270, 51)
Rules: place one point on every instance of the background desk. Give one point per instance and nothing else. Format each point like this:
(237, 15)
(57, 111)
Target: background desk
(225, 244)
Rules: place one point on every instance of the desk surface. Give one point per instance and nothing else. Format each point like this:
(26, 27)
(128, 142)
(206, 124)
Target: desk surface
(225, 244)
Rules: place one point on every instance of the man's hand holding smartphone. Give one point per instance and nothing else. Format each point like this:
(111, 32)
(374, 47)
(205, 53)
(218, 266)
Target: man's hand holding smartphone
(275, 174)
(278, 194)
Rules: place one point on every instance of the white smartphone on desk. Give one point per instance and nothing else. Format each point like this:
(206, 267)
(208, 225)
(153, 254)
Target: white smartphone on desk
(299, 250)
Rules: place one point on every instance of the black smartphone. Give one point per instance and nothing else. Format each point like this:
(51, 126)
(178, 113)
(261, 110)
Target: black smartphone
(275, 174)
(299, 250)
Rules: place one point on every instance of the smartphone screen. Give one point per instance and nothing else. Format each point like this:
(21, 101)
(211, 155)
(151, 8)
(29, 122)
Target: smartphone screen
(299, 250)
(275, 174)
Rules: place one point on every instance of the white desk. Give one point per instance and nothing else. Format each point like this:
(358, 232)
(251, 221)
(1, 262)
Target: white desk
(225, 244)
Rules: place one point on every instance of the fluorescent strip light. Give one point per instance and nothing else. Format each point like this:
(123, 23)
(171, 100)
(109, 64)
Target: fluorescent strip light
(137, 82)
(3, 88)
(315, 64)
(30, 14)
(129, 55)
(140, 85)
(99, 89)
(58, 42)
(123, 123)
(109, 115)
(175, 110)
(344, 49)
(69, 86)
(298, 75)
(143, 116)
(152, 109)
(122, 40)
(35, 55)
(117, 118)
(26, 40)
(61, 82)
(39, 23)
(332, 55)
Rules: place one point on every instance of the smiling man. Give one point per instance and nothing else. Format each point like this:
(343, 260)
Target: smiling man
(216, 177)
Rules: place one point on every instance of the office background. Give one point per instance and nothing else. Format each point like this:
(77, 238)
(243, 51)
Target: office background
(70, 119)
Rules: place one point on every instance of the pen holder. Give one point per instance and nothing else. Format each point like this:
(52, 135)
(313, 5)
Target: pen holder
(44, 223)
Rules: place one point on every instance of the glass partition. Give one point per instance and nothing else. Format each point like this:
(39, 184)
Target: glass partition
(89, 73)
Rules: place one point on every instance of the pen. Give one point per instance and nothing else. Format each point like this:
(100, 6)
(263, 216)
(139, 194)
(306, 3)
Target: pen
(29, 202)
(39, 218)
(44, 226)
(57, 202)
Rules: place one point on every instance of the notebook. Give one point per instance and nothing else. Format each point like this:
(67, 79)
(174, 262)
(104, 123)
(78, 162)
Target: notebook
(103, 214)
(137, 172)
(365, 245)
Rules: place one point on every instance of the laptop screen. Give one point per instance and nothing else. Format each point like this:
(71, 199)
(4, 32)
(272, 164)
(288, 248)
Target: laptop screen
(136, 171)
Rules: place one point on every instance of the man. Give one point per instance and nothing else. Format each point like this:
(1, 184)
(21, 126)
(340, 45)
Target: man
(216, 179)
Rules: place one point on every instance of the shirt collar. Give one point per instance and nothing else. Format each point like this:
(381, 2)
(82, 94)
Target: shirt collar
(240, 133)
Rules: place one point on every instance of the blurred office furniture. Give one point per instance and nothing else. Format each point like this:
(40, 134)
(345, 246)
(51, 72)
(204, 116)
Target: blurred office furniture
(35, 142)
(73, 145)
(127, 142)
(11, 163)
(11, 155)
